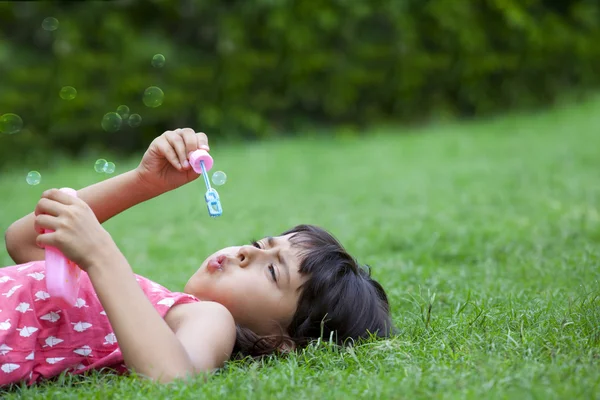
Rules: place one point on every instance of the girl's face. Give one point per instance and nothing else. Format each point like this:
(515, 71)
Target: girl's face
(258, 283)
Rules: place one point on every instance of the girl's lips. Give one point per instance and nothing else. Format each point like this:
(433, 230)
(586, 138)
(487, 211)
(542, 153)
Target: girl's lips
(216, 263)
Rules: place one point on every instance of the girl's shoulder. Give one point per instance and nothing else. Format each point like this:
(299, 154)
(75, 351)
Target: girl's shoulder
(201, 313)
(206, 330)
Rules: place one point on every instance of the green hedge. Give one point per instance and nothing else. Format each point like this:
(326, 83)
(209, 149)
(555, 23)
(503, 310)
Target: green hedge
(256, 68)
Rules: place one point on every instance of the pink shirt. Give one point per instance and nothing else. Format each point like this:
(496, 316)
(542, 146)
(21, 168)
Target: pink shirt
(39, 339)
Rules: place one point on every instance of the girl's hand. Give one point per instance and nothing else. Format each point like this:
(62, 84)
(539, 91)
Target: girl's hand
(77, 232)
(165, 164)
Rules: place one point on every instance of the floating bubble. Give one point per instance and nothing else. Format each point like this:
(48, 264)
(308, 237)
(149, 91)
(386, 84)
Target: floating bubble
(33, 178)
(158, 61)
(10, 123)
(62, 47)
(109, 168)
(68, 93)
(50, 24)
(123, 111)
(111, 122)
(135, 120)
(153, 97)
(219, 178)
(100, 165)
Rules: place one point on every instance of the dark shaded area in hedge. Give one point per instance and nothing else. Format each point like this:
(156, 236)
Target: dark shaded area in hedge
(258, 68)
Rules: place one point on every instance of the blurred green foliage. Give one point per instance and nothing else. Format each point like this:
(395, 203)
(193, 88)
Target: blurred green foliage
(257, 68)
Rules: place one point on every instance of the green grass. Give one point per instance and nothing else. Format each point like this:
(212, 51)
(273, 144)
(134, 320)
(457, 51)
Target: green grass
(484, 234)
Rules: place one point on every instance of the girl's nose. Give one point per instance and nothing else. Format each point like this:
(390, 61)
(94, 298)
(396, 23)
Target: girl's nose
(245, 254)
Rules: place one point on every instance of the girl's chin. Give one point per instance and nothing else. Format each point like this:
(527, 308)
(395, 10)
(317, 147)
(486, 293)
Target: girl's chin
(193, 284)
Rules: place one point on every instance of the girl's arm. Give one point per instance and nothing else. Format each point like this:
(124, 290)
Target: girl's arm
(202, 338)
(107, 199)
(164, 167)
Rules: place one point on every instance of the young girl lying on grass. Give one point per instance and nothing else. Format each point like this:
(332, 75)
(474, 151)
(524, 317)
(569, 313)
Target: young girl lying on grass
(271, 296)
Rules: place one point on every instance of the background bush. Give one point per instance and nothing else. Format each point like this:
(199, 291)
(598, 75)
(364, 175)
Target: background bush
(258, 68)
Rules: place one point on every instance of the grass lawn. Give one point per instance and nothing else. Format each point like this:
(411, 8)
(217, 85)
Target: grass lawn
(484, 234)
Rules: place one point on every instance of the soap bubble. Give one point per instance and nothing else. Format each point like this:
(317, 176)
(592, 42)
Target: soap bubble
(62, 47)
(10, 123)
(111, 122)
(100, 165)
(219, 178)
(158, 61)
(123, 111)
(109, 168)
(50, 24)
(33, 178)
(68, 93)
(153, 97)
(135, 120)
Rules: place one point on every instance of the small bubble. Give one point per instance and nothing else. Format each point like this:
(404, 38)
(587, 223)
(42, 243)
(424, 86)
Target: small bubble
(123, 111)
(62, 47)
(111, 122)
(100, 165)
(219, 178)
(158, 61)
(10, 123)
(68, 93)
(153, 97)
(33, 178)
(50, 24)
(135, 120)
(109, 168)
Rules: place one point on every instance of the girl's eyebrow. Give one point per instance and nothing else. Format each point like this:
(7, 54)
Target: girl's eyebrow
(286, 266)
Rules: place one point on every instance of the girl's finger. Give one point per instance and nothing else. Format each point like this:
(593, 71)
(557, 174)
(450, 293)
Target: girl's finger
(46, 239)
(37, 227)
(47, 206)
(44, 221)
(202, 141)
(189, 138)
(176, 141)
(59, 197)
(167, 150)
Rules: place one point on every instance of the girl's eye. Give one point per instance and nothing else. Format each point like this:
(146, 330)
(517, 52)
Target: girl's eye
(256, 244)
(272, 270)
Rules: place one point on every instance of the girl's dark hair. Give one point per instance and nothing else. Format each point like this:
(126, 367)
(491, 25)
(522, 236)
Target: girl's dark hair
(339, 301)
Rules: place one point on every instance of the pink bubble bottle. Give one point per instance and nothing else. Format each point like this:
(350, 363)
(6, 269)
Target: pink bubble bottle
(62, 274)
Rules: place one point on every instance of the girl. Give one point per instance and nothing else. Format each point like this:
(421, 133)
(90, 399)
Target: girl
(269, 296)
